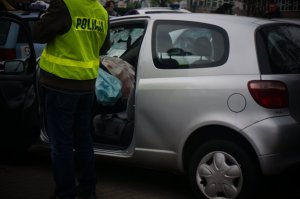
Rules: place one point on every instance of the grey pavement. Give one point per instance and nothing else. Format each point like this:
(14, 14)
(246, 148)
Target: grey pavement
(31, 178)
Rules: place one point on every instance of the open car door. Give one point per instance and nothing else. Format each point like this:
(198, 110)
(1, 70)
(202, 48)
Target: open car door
(19, 123)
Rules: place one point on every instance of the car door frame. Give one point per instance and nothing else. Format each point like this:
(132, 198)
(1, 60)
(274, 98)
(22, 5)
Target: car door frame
(127, 152)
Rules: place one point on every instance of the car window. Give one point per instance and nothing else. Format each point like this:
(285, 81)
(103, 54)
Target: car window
(4, 31)
(282, 44)
(123, 38)
(188, 45)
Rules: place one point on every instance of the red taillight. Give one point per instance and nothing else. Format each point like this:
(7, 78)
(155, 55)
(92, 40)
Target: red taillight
(7, 54)
(269, 93)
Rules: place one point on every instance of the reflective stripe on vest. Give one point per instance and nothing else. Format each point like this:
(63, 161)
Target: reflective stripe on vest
(68, 62)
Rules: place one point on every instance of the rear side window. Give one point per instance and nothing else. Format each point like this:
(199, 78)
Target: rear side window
(5, 25)
(184, 45)
(279, 49)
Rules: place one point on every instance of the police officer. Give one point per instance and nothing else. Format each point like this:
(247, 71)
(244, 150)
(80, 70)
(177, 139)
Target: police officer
(76, 32)
(272, 11)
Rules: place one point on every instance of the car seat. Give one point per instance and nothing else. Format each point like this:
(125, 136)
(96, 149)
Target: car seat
(163, 45)
(116, 128)
(203, 49)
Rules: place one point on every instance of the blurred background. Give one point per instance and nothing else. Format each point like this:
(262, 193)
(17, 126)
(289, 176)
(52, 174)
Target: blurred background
(257, 8)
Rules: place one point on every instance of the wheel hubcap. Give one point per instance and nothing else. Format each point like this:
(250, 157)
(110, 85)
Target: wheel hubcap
(219, 176)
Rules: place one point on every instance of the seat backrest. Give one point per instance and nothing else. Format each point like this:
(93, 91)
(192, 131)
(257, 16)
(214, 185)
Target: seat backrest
(163, 42)
(203, 47)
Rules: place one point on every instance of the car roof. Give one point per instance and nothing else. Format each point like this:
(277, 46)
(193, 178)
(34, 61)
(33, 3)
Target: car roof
(290, 20)
(152, 10)
(27, 15)
(210, 18)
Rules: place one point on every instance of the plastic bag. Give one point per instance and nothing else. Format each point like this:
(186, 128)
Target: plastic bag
(122, 70)
(108, 88)
(39, 5)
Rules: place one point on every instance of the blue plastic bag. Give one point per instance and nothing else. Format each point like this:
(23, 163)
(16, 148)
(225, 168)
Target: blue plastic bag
(108, 88)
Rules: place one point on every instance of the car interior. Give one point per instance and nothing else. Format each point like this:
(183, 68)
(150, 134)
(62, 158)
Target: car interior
(205, 52)
(113, 126)
(163, 47)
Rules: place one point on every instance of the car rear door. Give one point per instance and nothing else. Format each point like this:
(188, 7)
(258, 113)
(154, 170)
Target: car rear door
(18, 101)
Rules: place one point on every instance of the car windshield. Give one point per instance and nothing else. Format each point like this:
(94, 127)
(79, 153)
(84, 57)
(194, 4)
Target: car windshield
(283, 46)
(122, 38)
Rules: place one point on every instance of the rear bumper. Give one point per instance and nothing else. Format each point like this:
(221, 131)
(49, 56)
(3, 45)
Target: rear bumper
(276, 142)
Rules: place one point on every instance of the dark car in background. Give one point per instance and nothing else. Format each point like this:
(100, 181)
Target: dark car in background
(13, 42)
(18, 101)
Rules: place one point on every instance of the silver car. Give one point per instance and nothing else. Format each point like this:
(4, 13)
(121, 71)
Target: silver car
(215, 97)
(156, 10)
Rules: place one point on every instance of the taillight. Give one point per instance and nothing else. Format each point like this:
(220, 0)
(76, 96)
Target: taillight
(7, 54)
(269, 93)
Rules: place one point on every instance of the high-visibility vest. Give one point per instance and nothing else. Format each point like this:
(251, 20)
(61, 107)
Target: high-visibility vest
(75, 54)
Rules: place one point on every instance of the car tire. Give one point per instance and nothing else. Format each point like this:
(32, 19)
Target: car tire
(223, 169)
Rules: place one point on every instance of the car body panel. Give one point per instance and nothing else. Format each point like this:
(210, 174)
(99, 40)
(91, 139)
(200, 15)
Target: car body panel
(276, 143)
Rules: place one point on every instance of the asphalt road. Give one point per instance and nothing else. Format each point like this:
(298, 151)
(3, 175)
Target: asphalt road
(31, 178)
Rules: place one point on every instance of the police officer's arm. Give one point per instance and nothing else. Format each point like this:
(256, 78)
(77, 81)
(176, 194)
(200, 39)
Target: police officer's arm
(106, 45)
(56, 20)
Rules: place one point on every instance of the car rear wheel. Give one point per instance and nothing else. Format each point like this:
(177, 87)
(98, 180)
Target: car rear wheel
(223, 169)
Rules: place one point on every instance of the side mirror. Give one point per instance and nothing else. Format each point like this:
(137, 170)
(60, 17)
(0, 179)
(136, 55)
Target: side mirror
(14, 67)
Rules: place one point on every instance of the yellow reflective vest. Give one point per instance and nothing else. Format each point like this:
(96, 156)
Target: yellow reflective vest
(75, 54)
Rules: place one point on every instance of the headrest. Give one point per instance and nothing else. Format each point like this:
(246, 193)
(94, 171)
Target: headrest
(164, 42)
(202, 47)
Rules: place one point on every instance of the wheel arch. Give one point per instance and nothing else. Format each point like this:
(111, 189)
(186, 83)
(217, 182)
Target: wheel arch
(215, 132)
